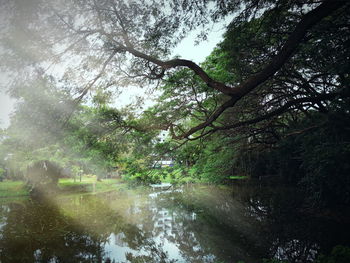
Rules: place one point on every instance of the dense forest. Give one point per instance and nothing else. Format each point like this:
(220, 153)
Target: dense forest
(269, 106)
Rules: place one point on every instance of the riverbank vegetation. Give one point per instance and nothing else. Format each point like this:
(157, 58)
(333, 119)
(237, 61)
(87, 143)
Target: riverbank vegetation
(88, 184)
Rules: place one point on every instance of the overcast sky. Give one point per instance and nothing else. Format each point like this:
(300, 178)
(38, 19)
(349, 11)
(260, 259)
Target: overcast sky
(186, 49)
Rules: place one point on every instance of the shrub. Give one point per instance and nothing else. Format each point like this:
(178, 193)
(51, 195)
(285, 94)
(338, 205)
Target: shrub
(339, 254)
(42, 176)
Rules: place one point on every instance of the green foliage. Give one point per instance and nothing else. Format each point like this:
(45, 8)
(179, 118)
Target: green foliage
(215, 162)
(339, 254)
(44, 127)
(315, 159)
(173, 175)
(325, 154)
(235, 177)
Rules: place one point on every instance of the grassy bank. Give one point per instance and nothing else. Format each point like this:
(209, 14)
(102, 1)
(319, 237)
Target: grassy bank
(12, 189)
(88, 184)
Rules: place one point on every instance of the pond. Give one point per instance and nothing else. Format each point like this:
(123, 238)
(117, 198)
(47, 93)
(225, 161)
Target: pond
(196, 223)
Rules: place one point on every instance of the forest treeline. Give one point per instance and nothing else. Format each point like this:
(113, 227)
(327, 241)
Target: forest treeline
(271, 102)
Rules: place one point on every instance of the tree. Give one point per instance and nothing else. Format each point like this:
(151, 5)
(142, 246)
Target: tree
(42, 177)
(91, 140)
(129, 42)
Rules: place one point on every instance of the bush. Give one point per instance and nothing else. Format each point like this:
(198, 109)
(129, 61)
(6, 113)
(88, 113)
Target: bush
(315, 160)
(42, 176)
(2, 174)
(339, 254)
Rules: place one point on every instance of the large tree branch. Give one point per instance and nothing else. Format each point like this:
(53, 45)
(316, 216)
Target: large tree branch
(309, 20)
(293, 41)
(284, 108)
(238, 92)
(209, 121)
(182, 63)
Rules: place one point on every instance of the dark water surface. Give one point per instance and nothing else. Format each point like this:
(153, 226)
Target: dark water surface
(189, 224)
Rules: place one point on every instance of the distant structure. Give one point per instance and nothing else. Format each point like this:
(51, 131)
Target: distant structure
(168, 163)
(163, 164)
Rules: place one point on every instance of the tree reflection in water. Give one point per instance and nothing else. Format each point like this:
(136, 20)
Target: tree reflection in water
(36, 231)
(191, 224)
(290, 233)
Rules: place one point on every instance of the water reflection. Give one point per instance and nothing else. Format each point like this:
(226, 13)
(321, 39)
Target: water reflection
(37, 232)
(291, 234)
(190, 224)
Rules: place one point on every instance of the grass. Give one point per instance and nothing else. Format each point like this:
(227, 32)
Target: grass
(9, 189)
(67, 185)
(237, 177)
(12, 189)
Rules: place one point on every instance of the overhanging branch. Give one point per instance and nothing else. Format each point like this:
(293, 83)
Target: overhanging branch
(293, 41)
(282, 110)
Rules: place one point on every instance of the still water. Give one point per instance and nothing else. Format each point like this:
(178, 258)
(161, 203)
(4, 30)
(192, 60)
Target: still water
(185, 224)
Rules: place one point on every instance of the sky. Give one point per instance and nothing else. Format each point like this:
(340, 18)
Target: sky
(6, 106)
(186, 49)
(6, 103)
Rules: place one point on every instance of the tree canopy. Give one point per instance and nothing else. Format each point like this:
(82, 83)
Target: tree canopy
(275, 58)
